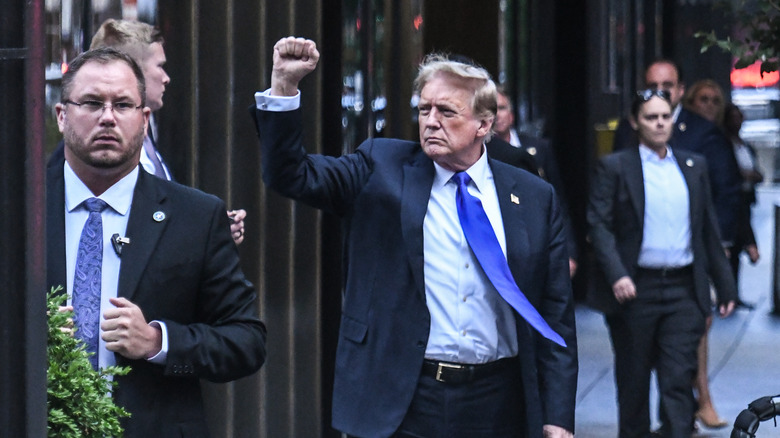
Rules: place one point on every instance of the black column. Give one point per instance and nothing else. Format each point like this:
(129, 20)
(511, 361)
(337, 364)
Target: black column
(22, 272)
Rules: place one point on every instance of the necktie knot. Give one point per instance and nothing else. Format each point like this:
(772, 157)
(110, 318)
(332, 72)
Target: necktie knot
(461, 178)
(95, 205)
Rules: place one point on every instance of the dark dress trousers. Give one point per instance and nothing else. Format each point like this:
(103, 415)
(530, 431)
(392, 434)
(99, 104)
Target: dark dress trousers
(696, 134)
(185, 271)
(667, 311)
(381, 192)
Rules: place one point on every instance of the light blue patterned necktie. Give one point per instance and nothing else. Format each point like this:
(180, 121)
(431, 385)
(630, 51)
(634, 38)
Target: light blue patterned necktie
(87, 279)
(484, 243)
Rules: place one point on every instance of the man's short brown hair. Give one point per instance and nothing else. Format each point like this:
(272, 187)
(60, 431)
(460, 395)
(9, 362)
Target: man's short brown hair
(131, 37)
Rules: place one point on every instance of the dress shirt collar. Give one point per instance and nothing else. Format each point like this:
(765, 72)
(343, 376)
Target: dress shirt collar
(646, 154)
(676, 112)
(514, 139)
(118, 197)
(479, 172)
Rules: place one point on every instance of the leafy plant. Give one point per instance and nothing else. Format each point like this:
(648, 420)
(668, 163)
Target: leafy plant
(78, 397)
(758, 30)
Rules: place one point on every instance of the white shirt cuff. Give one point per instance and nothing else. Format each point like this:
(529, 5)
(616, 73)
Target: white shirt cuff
(162, 356)
(266, 102)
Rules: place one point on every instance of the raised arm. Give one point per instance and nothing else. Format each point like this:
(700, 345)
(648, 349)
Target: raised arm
(294, 58)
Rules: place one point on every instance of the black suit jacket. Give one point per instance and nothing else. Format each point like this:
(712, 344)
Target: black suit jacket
(696, 134)
(544, 155)
(535, 155)
(183, 271)
(506, 153)
(381, 192)
(616, 217)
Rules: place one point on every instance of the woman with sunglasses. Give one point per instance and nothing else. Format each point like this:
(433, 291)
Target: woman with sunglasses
(657, 245)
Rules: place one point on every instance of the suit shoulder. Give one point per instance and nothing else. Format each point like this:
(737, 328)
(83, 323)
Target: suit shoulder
(518, 174)
(390, 150)
(685, 154)
(531, 141)
(695, 123)
(615, 158)
(390, 145)
(180, 193)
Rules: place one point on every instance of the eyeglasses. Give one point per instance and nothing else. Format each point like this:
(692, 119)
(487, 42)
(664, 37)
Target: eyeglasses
(649, 93)
(97, 107)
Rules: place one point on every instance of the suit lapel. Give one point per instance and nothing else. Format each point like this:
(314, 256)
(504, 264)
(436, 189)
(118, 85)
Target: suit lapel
(687, 167)
(147, 221)
(512, 202)
(632, 165)
(417, 181)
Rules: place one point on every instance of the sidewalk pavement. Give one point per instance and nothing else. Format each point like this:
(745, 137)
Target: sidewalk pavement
(744, 360)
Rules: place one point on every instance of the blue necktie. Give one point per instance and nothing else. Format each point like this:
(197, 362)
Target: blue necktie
(483, 242)
(87, 279)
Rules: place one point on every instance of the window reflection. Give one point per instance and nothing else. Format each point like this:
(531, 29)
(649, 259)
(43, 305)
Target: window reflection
(374, 58)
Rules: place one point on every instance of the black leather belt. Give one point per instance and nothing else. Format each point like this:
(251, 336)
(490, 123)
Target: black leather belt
(666, 272)
(449, 372)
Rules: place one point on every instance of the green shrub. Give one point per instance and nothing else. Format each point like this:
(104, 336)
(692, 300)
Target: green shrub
(78, 398)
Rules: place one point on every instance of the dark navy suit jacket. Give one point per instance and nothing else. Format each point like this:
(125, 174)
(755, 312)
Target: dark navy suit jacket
(381, 192)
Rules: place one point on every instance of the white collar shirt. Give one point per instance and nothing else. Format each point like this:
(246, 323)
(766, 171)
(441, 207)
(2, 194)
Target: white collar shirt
(666, 237)
(470, 322)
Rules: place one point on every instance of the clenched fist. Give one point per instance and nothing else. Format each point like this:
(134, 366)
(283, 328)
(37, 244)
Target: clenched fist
(294, 58)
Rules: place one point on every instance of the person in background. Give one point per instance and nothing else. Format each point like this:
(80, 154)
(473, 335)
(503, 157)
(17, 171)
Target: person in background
(751, 176)
(154, 277)
(543, 155)
(705, 98)
(696, 134)
(144, 43)
(656, 243)
(430, 343)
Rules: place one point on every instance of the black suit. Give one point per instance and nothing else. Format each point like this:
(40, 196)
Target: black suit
(506, 153)
(185, 271)
(616, 217)
(536, 156)
(696, 134)
(382, 193)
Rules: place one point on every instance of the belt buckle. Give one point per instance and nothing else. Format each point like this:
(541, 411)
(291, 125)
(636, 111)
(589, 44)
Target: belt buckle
(442, 366)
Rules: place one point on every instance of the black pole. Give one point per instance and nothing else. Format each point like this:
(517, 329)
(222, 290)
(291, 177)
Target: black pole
(776, 266)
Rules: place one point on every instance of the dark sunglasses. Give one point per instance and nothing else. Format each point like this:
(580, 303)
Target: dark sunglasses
(649, 93)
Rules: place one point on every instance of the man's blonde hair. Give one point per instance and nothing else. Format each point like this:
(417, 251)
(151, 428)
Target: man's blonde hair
(131, 37)
(477, 79)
